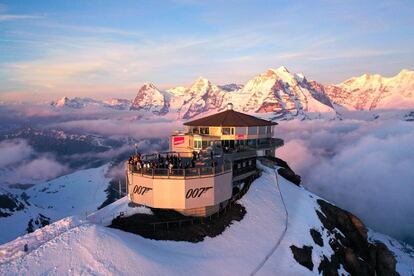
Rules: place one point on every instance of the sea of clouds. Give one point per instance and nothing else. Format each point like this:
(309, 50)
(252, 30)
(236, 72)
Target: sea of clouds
(366, 167)
(364, 163)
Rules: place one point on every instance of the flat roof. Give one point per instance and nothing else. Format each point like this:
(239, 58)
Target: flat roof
(230, 118)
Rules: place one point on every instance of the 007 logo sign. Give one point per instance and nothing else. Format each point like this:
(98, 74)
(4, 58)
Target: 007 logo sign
(197, 192)
(141, 190)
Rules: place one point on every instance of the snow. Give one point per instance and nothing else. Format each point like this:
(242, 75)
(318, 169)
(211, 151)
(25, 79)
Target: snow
(78, 193)
(74, 246)
(369, 92)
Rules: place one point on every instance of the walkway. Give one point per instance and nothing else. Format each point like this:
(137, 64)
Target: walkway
(276, 245)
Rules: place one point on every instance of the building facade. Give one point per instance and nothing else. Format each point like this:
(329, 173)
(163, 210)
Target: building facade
(205, 163)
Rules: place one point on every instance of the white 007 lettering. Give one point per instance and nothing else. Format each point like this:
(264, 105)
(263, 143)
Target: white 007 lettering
(197, 192)
(141, 190)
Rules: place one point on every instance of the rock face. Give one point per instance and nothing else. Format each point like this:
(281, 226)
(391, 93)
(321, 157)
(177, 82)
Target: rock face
(351, 247)
(303, 255)
(369, 92)
(8, 204)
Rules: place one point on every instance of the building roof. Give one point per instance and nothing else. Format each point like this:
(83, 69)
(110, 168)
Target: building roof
(230, 118)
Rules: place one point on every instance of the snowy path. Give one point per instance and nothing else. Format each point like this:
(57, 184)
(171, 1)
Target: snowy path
(284, 230)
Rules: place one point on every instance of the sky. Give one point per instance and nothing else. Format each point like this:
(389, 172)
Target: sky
(106, 49)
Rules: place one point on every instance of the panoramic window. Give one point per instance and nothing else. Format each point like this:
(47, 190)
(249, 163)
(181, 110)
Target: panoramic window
(227, 130)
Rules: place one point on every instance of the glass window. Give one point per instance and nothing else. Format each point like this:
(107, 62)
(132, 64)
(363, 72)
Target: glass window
(252, 130)
(204, 130)
(227, 130)
(262, 130)
(195, 130)
(269, 129)
(197, 144)
(205, 144)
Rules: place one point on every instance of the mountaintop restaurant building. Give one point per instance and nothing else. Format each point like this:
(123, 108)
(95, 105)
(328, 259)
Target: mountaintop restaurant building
(222, 149)
(229, 130)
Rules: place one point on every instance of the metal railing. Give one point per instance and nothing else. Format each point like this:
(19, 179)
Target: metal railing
(181, 173)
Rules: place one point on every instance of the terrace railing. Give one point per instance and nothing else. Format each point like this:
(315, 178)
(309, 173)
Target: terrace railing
(181, 173)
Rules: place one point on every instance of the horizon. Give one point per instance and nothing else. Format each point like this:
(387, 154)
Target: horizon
(102, 50)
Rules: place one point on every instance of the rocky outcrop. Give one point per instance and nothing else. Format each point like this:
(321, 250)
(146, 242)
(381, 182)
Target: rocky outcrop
(303, 255)
(9, 204)
(351, 247)
(290, 175)
(38, 222)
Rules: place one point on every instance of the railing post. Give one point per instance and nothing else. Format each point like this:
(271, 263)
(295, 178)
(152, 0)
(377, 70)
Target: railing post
(152, 172)
(199, 171)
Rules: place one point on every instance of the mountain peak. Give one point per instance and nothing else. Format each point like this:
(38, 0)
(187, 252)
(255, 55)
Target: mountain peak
(148, 85)
(405, 72)
(200, 83)
(282, 69)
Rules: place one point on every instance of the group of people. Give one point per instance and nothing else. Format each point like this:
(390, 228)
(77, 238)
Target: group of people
(170, 162)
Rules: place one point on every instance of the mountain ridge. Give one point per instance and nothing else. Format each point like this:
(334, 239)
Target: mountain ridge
(276, 91)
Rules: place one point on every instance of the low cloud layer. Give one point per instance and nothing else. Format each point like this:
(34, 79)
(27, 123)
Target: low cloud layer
(20, 163)
(364, 167)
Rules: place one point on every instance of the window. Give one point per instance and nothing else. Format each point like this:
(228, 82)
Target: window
(197, 144)
(269, 129)
(252, 130)
(195, 130)
(204, 130)
(262, 130)
(204, 144)
(227, 130)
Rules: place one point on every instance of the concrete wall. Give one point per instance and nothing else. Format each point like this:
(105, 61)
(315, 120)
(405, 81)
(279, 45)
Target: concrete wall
(179, 193)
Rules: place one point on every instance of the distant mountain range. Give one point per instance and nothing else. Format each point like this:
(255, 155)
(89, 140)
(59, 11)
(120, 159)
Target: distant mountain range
(276, 91)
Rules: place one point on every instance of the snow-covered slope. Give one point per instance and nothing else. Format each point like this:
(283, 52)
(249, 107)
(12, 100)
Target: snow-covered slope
(72, 194)
(260, 243)
(369, 92)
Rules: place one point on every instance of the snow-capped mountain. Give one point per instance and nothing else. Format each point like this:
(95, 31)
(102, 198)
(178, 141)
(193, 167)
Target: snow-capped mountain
(150, 99)
(75, 102)
(121, 104)
(286, 230)
(80, 103)
(369, 92)
(279, 91)
(201, 97)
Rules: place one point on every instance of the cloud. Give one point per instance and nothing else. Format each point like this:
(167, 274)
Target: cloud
(14, 151)
(40, 169)
(364, 167)
(20, 163)
(9, 17)
(138, 129)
